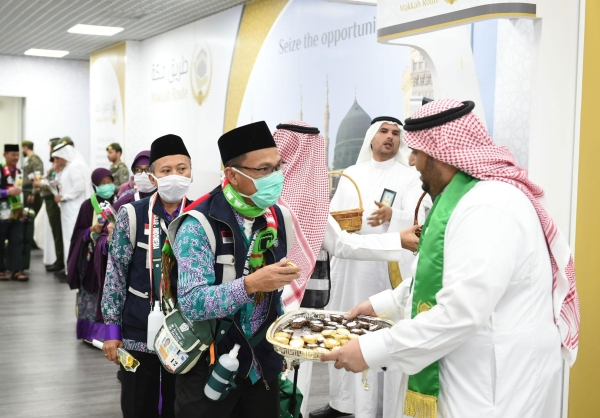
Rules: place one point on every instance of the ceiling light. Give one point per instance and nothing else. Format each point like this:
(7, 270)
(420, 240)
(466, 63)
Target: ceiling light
(46, 53)
(95, 30)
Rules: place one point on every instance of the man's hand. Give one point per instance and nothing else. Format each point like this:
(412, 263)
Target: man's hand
(381, 215)
(363, 308)
(110, 227)
(348, 357)
(97, 228)
(31, 198)
(57, 198)
(110, 349)
(270, 278)
(409, 239)
(14, 191)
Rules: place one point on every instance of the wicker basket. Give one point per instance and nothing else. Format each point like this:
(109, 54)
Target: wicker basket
(350, 220)
(303, 353)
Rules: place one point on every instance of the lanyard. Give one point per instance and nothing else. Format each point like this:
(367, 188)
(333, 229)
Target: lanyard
(246, 264)
(155, 258)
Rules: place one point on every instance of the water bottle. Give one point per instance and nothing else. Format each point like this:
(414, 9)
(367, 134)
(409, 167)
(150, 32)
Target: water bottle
(230, 362)
(155, 321)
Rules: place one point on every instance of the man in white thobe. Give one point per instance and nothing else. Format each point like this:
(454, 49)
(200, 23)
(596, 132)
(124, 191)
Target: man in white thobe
(507, 308)
(382, 174)
(75, 187)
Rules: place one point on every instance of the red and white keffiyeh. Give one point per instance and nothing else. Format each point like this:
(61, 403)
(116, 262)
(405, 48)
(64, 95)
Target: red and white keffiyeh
(306, 194)
(465, 144)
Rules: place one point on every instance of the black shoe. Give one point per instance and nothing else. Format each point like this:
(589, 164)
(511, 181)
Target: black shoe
(55, 267)
(327, 412)
(61, 276)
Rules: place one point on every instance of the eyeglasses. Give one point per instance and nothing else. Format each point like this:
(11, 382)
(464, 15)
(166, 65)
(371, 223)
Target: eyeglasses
(263, 171)
(139, 170)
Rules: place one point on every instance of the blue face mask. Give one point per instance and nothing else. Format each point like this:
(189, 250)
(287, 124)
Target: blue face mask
(106, 190)
(268, 189)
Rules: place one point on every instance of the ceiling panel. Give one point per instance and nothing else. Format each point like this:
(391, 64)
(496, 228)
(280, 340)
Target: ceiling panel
(43, 24)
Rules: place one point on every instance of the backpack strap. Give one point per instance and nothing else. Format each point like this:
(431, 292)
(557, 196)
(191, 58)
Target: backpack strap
(132, 223)
(210, 234)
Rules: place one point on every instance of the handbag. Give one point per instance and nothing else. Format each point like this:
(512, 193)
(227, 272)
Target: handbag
(180, 342)
(290, 398)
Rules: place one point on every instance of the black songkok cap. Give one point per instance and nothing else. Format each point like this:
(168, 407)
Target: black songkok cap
(386, 119)
(438, 119)
(244, 139)
(11, 147)
(167, 145)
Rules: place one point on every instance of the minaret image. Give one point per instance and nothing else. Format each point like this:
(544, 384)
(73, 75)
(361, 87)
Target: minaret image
(326, 121)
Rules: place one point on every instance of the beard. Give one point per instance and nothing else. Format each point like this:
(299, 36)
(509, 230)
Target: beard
(431, 178)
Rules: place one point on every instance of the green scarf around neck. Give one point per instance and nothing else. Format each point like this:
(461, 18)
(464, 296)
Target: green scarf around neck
(424, 387)
(265, 238)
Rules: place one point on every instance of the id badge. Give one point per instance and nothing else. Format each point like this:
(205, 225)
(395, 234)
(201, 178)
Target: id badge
(388, 197)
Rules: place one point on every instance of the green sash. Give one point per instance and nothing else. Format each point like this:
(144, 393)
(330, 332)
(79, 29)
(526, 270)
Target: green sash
(424, 387)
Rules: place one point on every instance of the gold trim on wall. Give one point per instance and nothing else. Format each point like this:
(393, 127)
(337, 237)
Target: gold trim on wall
(257, 19)
(116, 55)
(584, 401)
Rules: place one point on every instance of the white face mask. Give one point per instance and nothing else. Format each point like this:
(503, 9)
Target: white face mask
(143, 183)
(173, 188)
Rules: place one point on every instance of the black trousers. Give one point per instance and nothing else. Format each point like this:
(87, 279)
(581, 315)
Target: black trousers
(13, 231)
(53, 212)
(140, 389)
(246, 401)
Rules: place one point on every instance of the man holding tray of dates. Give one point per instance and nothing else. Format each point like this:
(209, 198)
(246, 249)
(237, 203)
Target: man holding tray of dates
(483, 328)
(230, 248)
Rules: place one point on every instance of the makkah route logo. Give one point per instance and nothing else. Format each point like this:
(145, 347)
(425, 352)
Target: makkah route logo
(184, 327)
(201, 73)
(451, 1)
(113, 111)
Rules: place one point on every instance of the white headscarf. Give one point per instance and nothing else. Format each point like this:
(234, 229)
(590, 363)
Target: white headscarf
(69, 153)
(75, 163)
(366, 154)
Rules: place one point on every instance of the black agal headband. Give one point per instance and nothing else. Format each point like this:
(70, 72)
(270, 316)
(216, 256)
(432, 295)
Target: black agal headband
(446, 116)
(298, 128)
(386, 119)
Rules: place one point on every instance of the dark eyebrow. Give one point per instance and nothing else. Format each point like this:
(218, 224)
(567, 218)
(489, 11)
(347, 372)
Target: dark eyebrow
(265, 165)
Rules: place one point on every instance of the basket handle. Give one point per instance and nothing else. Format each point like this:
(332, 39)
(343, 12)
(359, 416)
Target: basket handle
(353, 182)
(416, 222)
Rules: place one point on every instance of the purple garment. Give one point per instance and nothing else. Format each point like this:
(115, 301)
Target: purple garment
(143, 158)
(80, 270)
(101, 251)
(126, 187)
(169, 217)
(98, 174)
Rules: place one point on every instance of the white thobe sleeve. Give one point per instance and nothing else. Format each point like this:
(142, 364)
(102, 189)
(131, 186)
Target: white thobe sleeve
(73, 185)
(479, 262)
(390, 304)
(374, 247)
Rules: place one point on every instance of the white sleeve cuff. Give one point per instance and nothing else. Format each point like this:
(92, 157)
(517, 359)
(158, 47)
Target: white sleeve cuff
(384, 305)
(374, 351)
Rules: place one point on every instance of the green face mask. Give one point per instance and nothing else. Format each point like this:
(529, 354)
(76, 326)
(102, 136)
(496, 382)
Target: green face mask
(106, 190)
